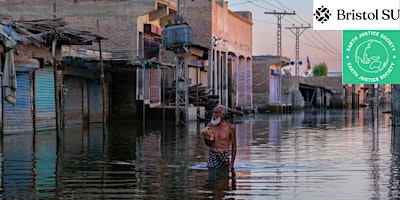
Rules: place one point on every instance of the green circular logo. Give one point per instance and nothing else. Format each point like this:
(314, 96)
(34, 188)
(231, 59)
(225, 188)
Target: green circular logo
(371, 56)
(368, 57)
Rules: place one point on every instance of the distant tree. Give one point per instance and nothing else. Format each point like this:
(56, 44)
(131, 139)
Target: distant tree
(320, 70)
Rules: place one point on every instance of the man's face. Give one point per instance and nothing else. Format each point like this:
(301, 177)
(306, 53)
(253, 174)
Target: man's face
(218, 112)
(218, 115)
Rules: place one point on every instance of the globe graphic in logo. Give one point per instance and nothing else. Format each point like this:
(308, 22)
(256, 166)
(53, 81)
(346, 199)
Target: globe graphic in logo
(372, 56)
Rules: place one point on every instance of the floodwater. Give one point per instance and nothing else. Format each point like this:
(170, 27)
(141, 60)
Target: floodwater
(320, 154)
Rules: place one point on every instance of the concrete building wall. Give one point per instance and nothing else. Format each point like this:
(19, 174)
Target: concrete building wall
(249, 84)
(262, 66)
(231, 31)
(233, 81)
(261, 76)
(240, 34)
(215, 26)
(199, 17)
(42, 54)
(241, 89)
(289, 84)
(227, 36)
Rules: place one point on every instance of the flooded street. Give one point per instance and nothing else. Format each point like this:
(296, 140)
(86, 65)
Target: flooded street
(321, 154)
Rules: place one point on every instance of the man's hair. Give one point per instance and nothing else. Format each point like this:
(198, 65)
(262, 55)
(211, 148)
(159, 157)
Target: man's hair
(224, 109)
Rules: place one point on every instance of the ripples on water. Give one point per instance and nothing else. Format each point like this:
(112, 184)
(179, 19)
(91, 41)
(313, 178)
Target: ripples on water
(327, 154)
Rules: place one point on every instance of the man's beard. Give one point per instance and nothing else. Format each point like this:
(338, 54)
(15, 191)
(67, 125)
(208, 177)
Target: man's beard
(215, 121)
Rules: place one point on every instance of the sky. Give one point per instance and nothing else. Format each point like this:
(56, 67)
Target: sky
(319, 46)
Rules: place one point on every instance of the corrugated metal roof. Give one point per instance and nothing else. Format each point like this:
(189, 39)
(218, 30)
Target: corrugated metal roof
(41, 32)
(331, 83)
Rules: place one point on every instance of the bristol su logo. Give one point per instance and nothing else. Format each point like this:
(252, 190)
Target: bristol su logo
(369, 57)
(356, 15)
(322, 14)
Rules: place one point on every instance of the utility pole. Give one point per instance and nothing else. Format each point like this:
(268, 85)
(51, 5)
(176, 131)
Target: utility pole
(102, 79)
(55, 71)
(178, 37)
(279, 16)
(296, 31)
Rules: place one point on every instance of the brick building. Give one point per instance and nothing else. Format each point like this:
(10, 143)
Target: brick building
(227, 36)
(221, 57)
(131, 29)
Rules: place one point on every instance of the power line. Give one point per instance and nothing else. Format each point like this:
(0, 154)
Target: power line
(322, 48)
(259, 6)
(272, 5)
(279, 16)
(327, 42)
(268, 22)
(297, 31)
(283, 5)
(317, 40)
(297, 22)
(247, 1)
(315, 43)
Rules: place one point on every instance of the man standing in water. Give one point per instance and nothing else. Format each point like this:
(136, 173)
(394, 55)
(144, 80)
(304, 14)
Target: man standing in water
(218, 135)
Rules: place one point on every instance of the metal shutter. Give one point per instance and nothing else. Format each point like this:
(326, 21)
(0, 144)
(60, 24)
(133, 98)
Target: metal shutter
(73, 100)
(95, 102)
(45, 105)
(19, 118)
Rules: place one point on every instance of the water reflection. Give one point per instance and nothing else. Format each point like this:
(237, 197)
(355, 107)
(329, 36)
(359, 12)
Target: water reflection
(315, 154)
(394, 182)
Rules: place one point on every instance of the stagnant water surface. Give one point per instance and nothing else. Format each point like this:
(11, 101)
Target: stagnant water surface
(328, 154)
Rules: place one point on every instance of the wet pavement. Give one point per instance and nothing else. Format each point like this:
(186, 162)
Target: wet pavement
(313, 154)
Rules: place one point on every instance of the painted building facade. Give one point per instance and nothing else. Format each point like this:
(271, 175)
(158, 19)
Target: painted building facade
(226, 38)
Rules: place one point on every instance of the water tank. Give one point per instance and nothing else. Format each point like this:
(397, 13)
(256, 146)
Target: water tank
(177, 35)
